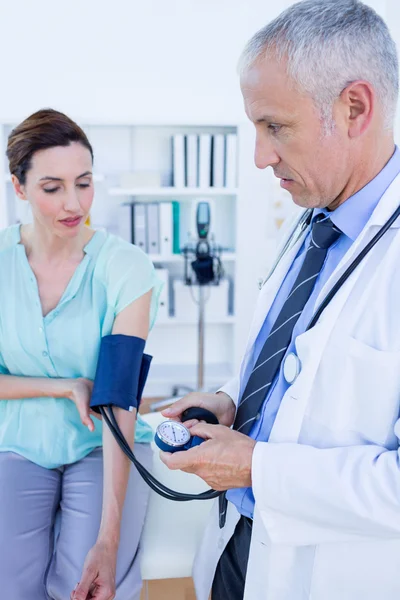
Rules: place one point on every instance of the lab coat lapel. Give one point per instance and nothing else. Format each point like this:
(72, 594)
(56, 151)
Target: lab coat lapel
(310, 345)
(384, 209)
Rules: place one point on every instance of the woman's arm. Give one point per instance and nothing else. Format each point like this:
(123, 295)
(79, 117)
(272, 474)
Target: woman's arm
(14, 388)
(133, 320)
(78, 390)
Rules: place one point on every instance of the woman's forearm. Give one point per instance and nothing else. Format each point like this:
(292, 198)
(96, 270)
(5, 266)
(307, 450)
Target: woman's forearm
(116, 474)
(14, 388)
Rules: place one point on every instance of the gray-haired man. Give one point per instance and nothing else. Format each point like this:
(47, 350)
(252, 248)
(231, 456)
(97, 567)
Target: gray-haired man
(311, 464)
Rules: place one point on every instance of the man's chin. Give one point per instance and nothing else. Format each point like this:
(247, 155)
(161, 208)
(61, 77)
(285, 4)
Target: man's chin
(304, 201)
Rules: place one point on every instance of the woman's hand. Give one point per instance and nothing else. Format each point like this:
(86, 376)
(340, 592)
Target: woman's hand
(80, 394)
(98, 576)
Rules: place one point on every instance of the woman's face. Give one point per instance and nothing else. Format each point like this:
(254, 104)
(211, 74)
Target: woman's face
(59, 188)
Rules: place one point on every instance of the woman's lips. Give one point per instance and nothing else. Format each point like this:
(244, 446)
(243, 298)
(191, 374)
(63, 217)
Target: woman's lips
(72, 222)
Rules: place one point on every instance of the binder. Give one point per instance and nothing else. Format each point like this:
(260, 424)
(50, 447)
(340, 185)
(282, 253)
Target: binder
(125, 230)
(218, 160)
(166, 228)
(139, 226)
(176, 209)
(231, 160)
(153, 229)
(192, 159)
(205, 160)
(178, 160)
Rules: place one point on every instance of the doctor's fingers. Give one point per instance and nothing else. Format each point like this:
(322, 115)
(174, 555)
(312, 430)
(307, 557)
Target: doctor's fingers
(211, 432)
(187, 460)
(194, 399)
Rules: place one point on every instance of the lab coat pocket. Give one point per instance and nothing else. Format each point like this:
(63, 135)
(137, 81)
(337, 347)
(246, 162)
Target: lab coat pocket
(359, 390)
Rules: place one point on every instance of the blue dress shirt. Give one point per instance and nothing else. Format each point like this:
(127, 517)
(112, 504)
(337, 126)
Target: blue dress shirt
(351, 218)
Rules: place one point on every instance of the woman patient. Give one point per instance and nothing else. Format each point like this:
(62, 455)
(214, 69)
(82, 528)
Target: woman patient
(63, 287)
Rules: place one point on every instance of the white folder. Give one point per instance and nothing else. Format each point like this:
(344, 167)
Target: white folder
(218, 154)
(192, 160)
(166, 228)
(139, 226)
(205, 160)
(153, 229)
(178, 160)
(125, 222)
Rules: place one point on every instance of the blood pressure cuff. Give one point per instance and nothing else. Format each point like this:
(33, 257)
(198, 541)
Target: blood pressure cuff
(121, 372)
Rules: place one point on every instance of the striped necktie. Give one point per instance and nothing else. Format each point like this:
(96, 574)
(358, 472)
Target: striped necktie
(323, 234)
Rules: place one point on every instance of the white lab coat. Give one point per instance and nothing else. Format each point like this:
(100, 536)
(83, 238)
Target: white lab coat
(327, 485)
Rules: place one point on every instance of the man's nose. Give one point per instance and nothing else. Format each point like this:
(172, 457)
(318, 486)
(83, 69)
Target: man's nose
(265, 154)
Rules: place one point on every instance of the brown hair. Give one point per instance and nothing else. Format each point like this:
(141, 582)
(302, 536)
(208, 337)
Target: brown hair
(44, 129)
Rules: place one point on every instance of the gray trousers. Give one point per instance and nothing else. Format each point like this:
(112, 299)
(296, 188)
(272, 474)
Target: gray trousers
(32, 567)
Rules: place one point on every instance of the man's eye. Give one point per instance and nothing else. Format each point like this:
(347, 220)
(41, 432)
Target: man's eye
(274, 128)
(50, 190)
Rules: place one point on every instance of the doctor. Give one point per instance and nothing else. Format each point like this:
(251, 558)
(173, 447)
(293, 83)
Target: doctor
(311, 464)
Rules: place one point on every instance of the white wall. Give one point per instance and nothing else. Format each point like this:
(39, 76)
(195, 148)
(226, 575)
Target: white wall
(167, 61)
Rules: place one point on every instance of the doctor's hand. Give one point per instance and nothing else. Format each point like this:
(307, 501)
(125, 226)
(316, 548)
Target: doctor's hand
(223, 461)
(98, 576)
(220, 404)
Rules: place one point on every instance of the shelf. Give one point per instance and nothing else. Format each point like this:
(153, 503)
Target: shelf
(173, 322)
(179, 258)
(168, 192)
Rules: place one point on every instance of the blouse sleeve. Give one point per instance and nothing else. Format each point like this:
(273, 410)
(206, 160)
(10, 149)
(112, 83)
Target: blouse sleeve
(130, 275)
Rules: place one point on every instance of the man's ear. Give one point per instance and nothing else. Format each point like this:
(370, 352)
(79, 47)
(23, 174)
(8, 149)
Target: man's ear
(358, 100)
(18, 188)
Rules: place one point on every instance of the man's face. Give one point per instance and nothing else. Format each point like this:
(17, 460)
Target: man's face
(312, 166)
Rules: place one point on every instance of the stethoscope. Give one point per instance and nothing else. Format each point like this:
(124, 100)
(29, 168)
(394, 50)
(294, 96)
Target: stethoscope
(173, 436)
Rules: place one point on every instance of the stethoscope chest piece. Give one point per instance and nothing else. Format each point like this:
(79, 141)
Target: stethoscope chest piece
(291, 367)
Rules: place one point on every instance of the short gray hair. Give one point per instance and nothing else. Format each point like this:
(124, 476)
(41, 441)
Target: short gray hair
(328, 44)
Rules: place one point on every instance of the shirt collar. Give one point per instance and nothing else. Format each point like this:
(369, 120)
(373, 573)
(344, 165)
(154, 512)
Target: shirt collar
(352, 216)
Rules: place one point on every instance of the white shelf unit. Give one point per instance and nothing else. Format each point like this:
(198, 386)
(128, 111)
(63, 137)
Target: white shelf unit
(126, 148)
(168, 192)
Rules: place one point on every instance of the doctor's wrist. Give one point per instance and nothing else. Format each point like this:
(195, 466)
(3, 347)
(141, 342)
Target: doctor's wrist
(229, 408)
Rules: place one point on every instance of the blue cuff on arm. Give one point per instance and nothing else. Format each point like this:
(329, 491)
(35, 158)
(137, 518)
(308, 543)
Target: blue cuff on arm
(121, 373)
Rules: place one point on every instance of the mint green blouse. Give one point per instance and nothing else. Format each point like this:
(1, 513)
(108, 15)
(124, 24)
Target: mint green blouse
(65, 343)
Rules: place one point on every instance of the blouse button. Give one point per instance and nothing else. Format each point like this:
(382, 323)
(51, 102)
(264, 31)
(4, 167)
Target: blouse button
(45, 353)
(40, 329)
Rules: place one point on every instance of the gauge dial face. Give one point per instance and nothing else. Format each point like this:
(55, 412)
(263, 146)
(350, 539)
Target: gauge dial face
(173, 433)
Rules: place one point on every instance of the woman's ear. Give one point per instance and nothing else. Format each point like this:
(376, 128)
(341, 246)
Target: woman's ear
(18, 188)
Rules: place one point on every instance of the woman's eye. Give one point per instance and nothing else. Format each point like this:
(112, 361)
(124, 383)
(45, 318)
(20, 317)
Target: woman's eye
(50, 190)
(83, 185)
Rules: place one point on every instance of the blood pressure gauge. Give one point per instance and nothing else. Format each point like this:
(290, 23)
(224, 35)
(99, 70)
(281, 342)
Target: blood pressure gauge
(172, 436)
